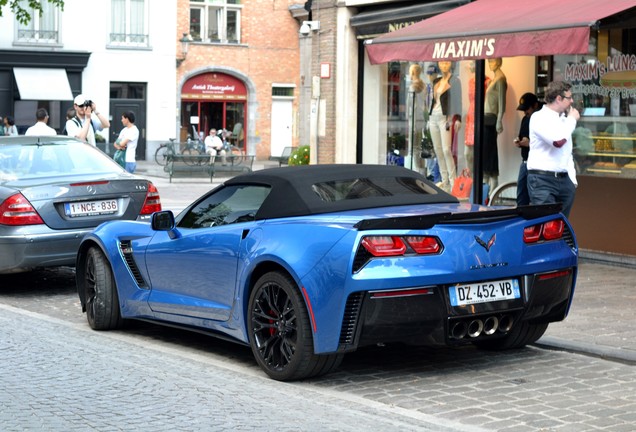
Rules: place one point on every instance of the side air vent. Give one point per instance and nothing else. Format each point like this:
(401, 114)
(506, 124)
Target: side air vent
(350, 319)
(568, 237)
(361, 258)
(127, 252)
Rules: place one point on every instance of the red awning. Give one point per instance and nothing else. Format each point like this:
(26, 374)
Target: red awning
(497, 28)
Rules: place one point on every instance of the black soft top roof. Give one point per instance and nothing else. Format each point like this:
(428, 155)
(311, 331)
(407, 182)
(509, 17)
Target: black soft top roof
(292, 193)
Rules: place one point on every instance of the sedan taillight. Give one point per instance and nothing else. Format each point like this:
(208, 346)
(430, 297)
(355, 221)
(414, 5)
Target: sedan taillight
(17, 210)
(551, 230)
(153, 201)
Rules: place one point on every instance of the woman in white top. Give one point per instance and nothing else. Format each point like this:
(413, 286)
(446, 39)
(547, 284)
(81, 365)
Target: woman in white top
(9, 127)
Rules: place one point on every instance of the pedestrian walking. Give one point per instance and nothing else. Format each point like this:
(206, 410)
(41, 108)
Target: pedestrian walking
(41, 128)
(529, 103)
(551, 174)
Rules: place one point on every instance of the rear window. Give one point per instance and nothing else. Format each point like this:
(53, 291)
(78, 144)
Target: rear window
(339, 190)
(29, 161)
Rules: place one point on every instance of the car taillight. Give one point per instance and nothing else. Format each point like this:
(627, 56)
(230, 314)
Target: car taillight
(384, 245)
(551, 230)
(424, 244)
(17, 210)
(153, 201)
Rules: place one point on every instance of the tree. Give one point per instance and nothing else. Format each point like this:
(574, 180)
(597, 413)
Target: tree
(24, 15)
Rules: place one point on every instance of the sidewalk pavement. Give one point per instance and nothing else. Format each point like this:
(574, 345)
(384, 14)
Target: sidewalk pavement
(601, 322)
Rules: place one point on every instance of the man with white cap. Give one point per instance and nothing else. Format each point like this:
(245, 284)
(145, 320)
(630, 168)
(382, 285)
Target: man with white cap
(87, 121)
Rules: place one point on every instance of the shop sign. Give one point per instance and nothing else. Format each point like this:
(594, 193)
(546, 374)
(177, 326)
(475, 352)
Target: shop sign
(615, 77)
(214, 86)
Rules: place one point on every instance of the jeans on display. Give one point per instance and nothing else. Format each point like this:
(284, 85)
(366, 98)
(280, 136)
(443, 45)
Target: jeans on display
(442, 145)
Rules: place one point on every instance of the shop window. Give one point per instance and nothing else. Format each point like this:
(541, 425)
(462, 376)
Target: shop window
(215, 21)
(129, 23)
(604, 91)
(41, 29)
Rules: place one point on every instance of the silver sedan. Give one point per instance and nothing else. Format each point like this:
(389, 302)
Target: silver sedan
(53, 191)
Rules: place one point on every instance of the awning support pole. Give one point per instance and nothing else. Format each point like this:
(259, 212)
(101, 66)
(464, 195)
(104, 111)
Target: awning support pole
(480, 92)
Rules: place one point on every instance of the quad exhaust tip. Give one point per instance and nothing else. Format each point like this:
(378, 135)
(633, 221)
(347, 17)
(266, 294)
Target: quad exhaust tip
(477, 327)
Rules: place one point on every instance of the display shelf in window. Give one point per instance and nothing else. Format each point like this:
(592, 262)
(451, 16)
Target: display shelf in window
(544, 75)
(606, 146)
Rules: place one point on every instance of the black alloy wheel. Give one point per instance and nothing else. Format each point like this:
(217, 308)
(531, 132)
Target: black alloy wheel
(280, 331)
(102, 301)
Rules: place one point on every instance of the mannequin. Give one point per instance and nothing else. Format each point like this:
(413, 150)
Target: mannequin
(494, 108)
(432, 72)
(445, 120)
(416, 119)
(469, 132)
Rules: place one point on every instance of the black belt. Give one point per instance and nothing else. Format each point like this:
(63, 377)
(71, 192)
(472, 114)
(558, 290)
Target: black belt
(548, 173)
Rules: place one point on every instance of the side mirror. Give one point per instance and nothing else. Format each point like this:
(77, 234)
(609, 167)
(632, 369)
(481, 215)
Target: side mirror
(162, 221)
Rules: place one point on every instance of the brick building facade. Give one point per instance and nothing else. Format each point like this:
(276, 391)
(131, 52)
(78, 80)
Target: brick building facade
(255, 42)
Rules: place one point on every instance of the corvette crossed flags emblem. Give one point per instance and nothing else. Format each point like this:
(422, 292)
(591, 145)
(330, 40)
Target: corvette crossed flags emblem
(485, 245)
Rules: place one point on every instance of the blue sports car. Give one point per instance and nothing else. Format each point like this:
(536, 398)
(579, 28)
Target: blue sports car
(308, 263)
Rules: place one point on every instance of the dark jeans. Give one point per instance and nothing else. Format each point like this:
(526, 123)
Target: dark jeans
(547, 189)
(523, 196)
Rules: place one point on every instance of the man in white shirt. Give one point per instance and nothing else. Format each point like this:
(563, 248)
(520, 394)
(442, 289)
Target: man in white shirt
(551, 174)
(40, 128)
(84, 125)
(128, 138)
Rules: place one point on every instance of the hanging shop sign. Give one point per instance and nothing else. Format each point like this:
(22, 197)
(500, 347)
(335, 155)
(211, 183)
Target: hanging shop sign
(214, 86)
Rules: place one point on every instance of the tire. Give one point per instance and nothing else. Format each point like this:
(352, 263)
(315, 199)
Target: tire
(280, 331)
(519, 336)
(194, 160)
(161, 155)
(504, 195)
(237, 155)
(102, 301)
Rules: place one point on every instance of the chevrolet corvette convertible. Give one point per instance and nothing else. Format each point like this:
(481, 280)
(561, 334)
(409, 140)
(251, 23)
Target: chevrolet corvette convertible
(307, 263)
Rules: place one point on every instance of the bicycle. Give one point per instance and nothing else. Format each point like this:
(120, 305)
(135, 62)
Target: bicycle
(504, 195)
(195, 149)
(165, 152)
(236, 154)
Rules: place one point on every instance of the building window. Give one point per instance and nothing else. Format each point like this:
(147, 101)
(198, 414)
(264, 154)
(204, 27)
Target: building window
(283, 90)
(42, 29)
(215, 20)
(129, 23)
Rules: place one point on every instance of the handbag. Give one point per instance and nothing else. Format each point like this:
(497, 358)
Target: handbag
(426, 146)
(463, 185)
(120, 157)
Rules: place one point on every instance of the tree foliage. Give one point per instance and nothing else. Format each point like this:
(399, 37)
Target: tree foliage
(23, 8)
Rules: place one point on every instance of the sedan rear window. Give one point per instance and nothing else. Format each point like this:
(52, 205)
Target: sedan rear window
(338, 190)
(26, 161)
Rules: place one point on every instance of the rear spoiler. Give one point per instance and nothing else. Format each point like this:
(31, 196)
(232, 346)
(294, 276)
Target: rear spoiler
(484, 216)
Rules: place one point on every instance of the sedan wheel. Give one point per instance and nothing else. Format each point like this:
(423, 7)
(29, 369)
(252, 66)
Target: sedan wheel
(102, 301)
(280, 331)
